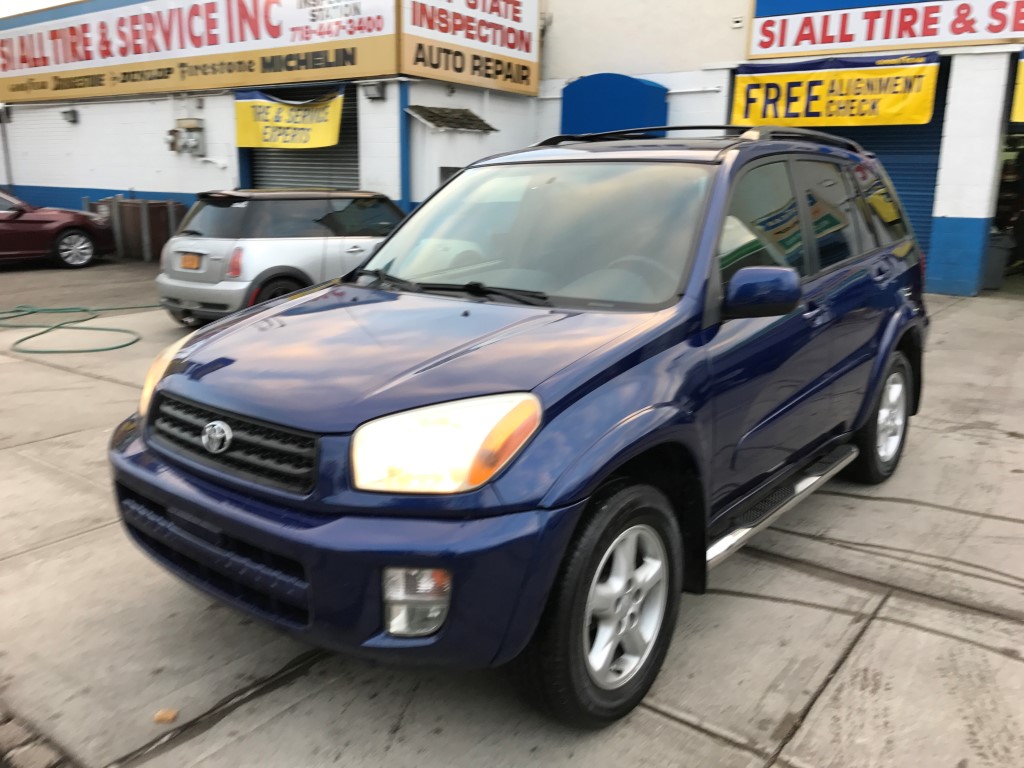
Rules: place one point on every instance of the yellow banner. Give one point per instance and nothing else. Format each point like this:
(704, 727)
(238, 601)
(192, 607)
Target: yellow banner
(267, 122)
(838, 92)
(1017, 113)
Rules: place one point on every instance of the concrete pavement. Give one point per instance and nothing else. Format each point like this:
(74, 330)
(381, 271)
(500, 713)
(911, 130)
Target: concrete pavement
(871, 627)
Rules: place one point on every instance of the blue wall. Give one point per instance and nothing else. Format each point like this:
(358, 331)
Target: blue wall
(956, 259)
(71, 197)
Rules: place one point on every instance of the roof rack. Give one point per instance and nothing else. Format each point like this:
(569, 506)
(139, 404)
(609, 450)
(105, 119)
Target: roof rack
(625, 133)
(774, 132)
(744, 133)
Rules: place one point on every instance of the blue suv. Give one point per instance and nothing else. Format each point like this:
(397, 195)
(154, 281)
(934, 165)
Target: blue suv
(575, 379)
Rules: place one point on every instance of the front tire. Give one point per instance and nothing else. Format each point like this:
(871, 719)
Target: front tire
(882, 438)
(74, 249)
(611, 615)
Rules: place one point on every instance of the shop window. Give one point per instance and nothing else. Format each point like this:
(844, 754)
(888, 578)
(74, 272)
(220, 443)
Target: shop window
(832, 210)
(763, 226)
(886, 214)
(362, 217)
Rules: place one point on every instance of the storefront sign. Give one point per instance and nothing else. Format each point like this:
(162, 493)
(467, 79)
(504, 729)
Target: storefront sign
(488, 43)
(127, 47)
(1017, 113)
(807, 27)
(263, 121)
(836, 92)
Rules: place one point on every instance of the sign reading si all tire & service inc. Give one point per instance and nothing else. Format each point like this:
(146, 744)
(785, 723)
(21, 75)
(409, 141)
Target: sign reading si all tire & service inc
(886, 90)
(487, 43)
(113, 48)
(807, 27)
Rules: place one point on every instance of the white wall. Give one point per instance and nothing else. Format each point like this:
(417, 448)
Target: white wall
(380, 168)
(972, 136)
(119, 145)
(515, 117)
(639, 36)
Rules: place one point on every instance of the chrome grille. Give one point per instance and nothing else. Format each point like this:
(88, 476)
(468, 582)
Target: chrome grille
(261, 453)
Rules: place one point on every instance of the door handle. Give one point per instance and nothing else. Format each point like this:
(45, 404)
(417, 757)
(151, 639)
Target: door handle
(355, 249)
(881, 273)
(813, 312)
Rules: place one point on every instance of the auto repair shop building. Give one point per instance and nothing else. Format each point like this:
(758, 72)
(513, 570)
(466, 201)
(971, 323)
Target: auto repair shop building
(101, 90)
(165, 98)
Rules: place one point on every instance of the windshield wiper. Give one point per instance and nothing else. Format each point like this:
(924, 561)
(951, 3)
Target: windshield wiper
(193, 232)
(383, 277)
(534, 298)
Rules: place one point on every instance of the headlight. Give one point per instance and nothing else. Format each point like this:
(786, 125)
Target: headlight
(444, 448)
(98, 218)
(157, 371)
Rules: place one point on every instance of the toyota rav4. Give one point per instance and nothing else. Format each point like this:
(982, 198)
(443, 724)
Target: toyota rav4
(575, 379)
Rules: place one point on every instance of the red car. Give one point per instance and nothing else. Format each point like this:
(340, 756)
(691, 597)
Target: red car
(72, 239)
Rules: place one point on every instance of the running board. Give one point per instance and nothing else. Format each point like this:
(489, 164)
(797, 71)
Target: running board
(803, 485)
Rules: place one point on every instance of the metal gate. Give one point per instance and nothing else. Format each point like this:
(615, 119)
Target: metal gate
(910, 153)
(336, 167)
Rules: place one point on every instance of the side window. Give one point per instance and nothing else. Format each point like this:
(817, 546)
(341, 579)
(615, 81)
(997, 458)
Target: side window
(6, 204)
(882, 206)
(288, 218)
(362, 217)
(763, 225)
(832, 211)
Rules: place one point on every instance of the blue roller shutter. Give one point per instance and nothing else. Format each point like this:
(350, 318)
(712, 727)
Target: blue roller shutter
(910, 154)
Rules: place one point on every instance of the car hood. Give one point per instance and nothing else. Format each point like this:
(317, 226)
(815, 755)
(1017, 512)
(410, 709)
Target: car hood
(339, 356)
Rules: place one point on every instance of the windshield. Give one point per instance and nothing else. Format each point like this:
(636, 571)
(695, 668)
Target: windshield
(590, 234)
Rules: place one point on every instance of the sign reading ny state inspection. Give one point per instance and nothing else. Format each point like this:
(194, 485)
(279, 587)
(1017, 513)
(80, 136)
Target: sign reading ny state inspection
(488, 43)
(264, 121)
(802, 27)
(122, 47)
(888, 90)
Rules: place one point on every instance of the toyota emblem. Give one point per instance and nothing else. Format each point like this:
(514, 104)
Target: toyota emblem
(217, 437)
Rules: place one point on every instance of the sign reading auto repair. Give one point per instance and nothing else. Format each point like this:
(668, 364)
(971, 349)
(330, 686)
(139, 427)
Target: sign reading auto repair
(803, 27)
(888, 90)
(126, 47)
(487, 43)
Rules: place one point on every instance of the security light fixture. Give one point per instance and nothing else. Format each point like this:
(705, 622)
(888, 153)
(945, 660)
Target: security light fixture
(71, 115)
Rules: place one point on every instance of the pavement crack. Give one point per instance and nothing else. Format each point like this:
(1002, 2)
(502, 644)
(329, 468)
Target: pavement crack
(787, 601)
(396, 726)
(930, 505)
(61, 540)
(801, 716)
(813, 567)
(901, 554)
(294, 669)
(718, 735)
(69, 369)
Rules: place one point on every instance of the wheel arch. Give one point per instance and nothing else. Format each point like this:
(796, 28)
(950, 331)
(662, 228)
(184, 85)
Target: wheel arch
(274, 273)
(902, 335)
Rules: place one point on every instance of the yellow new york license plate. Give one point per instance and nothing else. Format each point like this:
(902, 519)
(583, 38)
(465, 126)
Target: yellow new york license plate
(190, 261)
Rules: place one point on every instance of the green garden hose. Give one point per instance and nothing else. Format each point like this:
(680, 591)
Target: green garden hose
(89, 313)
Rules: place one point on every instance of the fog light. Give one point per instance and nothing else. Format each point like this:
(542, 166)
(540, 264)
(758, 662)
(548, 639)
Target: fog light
(415, 600)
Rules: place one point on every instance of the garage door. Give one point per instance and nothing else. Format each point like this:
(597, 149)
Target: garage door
(910, 153)
(336, 166)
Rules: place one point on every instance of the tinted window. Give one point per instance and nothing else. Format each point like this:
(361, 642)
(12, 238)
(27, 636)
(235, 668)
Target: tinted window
(882, 206)
(832, 211)
(763, 225)
(593, 234)
(257, 218)
(6, 203)
(362, 217)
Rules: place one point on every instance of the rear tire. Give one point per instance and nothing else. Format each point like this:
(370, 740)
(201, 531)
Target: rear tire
(73, 249)
(882, 438)
(611, 615)
(279, 286)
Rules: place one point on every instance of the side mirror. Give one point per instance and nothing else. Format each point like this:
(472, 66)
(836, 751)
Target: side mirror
(762, 292)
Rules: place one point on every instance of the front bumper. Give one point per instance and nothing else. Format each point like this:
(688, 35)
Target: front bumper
(320, 577)
(207, 301)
